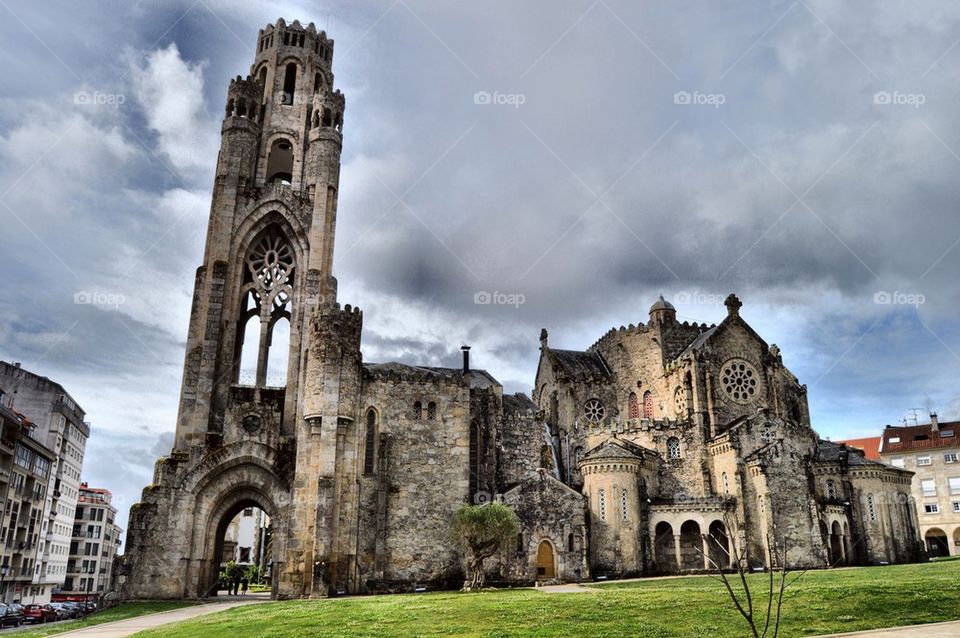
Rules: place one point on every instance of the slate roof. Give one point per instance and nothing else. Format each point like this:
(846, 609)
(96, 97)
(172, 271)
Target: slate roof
(828, 451)
(394, 370)
(615, 449)
(578, 364)
(519, 402)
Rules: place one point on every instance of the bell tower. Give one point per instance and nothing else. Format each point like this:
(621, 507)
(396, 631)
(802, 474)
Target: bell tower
(269, 247)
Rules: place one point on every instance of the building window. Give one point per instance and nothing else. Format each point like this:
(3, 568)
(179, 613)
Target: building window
(417, 410)
(593, 410)
(431, 411)
(831, 489)
(24, 457)
(946, 434)
(289, 84)
(570, 544)
(871, 508)
(647, 405)
(602, 504)
(726, 483)
(738, 379)
(923, 460)
(929, 487)
(950, 457)
(633, 406)
(370, 438)
(956, 506)
(673, 448)
(931, 508)
(954, 484)
(898, 462)
(624, 512)
(893, 439)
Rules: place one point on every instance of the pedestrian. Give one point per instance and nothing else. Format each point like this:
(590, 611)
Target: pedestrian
(244, 583)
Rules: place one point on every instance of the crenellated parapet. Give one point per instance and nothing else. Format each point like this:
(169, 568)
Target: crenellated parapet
(243, 99)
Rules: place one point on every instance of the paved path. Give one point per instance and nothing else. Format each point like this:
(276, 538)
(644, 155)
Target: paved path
(932, 630)
(123, 628)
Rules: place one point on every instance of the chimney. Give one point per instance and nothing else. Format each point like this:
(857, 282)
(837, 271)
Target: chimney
(16, 364)
(934, 425)
(466, 358)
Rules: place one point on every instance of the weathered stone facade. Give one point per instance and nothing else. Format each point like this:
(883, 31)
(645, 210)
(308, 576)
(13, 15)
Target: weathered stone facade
(361, 466)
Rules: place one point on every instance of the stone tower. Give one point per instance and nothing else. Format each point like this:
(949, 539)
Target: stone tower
(265, 279)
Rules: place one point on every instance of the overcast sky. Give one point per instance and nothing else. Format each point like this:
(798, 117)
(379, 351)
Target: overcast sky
(804, 155)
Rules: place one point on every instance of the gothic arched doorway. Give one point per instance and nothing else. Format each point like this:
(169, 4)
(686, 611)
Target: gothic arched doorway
(546, 568)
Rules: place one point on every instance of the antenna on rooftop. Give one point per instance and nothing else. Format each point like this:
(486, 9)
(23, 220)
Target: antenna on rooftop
(914, 412)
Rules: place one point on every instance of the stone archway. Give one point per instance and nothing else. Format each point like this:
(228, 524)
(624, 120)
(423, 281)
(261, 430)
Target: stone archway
(223, 492)
(937, 542)
(546, 563)
(690, 546)
(837, 550)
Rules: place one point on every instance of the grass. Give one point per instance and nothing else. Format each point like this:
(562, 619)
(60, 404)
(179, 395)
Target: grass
(120, 612)
(820, 602)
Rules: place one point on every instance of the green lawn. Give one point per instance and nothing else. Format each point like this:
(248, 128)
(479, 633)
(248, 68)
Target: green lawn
(120, 612)
(820, 602)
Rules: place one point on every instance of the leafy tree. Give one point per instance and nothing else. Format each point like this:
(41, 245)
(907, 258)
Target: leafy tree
(253, 573)
(483, 530)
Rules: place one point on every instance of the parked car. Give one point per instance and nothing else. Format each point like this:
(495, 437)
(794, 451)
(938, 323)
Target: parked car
(39, 614)
(12, 615)
(90, 607)
(76, 611)
(62, 612)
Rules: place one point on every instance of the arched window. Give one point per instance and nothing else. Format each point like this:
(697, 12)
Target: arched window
(647, 405)
(280, 162)
(369, 443)
(262, 78)
(570, 545)
(519, 542)
(417, 410)
(263, 324)
(242, 107)
(289, 84)
(831, 489)
(431, 411)
(673, 448)
(602, 504)
(726, 483)
(633, 406)
(317, 82)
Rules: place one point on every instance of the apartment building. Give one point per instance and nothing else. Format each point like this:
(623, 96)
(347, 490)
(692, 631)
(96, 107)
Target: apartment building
(25, 468)
(932, 452)
(58, 425)
(96, 541)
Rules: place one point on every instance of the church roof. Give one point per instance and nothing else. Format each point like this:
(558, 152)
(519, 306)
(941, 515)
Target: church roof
(578, 364)
(661, 304)
(518, 403)
(396, 370)
(828, 451)
(615, 449)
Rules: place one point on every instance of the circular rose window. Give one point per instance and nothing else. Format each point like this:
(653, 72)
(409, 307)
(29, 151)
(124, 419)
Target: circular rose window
(680, 401)
(593, 411)
(740, 380)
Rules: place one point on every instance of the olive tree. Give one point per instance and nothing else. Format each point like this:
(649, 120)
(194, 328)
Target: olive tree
(482, 530)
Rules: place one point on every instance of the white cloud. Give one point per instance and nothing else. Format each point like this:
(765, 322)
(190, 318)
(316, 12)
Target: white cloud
(170, 92)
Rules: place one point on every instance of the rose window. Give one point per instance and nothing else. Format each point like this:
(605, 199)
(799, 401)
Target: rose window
(739, 380)
(680, 401)
(593, 411)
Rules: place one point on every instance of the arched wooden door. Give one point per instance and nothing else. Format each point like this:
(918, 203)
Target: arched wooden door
(545, 564)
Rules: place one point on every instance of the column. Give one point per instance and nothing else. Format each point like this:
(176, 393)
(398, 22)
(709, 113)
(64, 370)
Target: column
(676, 551)
(706, 553)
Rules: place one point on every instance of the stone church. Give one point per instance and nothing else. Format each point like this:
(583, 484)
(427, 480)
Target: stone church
(662, 447)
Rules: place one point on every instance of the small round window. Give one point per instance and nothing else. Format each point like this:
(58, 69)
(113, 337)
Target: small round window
(593, 410)
(739, 380)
